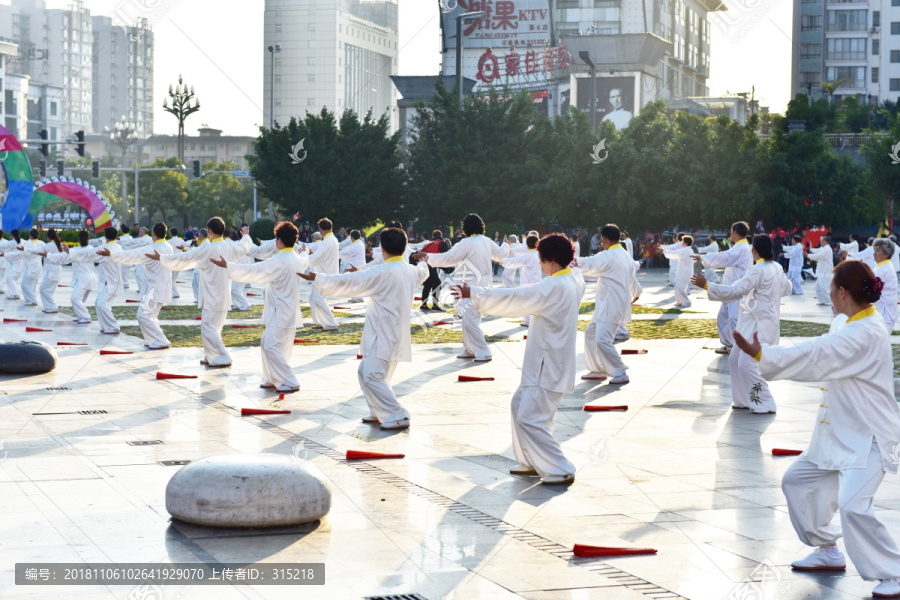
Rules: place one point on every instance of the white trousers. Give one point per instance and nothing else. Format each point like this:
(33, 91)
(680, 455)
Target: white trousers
(673, 269)
(195, 285)
(12, 286)
(214, 350)
(681, 291)
(104, 310)
(148, 319)
(472, 335)
(321, 314)
(748, 388)
(711, 275)
(141, 279)
(508, 277)
(78, 297)
(276, 346)
(814, 496)
(29, 288)
(533, 409)
(48, 288)
(726, 321)
(124, 270)
(238, 299)
(375, 379)
(175, 293)
(795, 277)
(599, 352)
(823, 288)
(3, 266)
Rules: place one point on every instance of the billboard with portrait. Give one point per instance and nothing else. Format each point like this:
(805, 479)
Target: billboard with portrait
(617, 99)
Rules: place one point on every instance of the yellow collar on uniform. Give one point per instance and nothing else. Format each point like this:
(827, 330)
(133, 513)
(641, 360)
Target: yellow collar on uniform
(160, 241)
(394, 258)
(221, 239)
(884, 262)
(566, 271)
(285, 250)
(532, 249)
(866, 312)
(324, 237)
(740, 242)
(206, 241)
(759, 261)
(614, 246)
(112, 242)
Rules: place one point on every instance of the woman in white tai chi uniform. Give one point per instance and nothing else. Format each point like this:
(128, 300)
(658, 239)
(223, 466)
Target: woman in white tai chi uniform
(548, 369)
(530, 263)
(281, 312)
(883, 250)
(12, 251)
(683, 256)
(31, 273)
(52, 273)
(824, 258)
(84, 276)
(759, 293)
(110, 285)
(856, 433)
(386, 338)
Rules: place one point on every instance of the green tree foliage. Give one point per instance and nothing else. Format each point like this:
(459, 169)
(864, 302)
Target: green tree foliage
(262, 229)
(163, 194)
(220, 194)
(351, 168)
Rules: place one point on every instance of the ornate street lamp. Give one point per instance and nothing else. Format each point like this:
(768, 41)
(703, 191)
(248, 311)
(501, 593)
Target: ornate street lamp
(123, 135)
(182, 109)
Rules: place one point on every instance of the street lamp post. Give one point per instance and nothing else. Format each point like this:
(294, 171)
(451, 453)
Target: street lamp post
(123, 135)
(182, 109)
(585, 56)
(460, 19)
(272, 50)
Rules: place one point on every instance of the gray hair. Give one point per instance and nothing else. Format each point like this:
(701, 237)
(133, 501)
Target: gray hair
(886, 246)
(316, 236)
(203, 232)
(871, 239)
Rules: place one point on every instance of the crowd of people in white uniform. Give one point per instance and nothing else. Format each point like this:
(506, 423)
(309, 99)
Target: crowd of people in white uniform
(857, 428)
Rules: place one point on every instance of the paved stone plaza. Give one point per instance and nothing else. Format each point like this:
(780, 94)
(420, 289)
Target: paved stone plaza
(679, 471)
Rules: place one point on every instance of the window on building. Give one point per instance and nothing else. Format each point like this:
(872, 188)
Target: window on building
(160, 147)
(237, 147)
(894, 85)
(810, 22)
(312, 43)
(53, 109)
(876, 18)
(311, 61)
(312, 26)
(202, 147)
(277, 27)
(278, 79)
(876, 47)
(192, 147)
(857, 75)
(310, 101)
(874, 74)
(846, 49)
(813, 78)
(278, 103)
(895, 56)
(895, 27)
(311, 78)
(277, 62)
(895, 2)
(811, 50)
(846, 20)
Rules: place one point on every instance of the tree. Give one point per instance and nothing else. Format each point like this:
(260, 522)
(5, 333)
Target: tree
(348, 169)
(163, 192)
(221, 194)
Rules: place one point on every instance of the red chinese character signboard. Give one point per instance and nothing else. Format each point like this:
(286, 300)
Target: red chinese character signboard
(552, 59)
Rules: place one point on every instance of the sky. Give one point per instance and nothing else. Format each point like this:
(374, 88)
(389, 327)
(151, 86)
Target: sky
(220, 53)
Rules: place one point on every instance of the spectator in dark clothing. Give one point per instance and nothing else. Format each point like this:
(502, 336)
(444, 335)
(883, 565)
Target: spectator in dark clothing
(429, 290)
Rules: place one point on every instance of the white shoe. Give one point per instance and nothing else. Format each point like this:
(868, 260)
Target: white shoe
(723, 350)
(83, 321)
(888, 588)
(484, 359)
(465, 355)
(521, 469)
(822, 559)
(401, 424)
(558, 479)
(619, 380)
(370, 419)
(286, 389)
(622, 338)
(157, 347)
(592, 376)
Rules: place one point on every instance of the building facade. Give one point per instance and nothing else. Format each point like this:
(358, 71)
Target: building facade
(334, 54)
(122, 75)
(855, 44)
(208, 145)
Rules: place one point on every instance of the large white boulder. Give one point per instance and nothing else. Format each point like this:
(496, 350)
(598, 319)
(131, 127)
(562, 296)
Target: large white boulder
(248, 490)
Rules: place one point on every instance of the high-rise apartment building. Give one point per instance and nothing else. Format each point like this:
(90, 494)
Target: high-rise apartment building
(335, 54)
(855, 44)
(122, 75)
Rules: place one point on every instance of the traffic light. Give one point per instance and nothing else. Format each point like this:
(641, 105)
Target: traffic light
(43, 167)
(60, 168)
(79, 147)
(95, 170)
(196, 168)
(45, 148)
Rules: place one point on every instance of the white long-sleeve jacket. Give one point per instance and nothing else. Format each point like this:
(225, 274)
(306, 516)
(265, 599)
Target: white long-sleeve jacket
(390, 288)
(685, 267)
(553, 304)
(760, 292)
(867, 256)
(736, 260)
(110, 273)
(615, 271)
(325, 255)
(354, 253)
(824, 259)
(473, 256)
(794, 254)
(32, 258)
(159, 280)
(887, 304)
(82, 259)
(279, 273)
(529, 262)
(215, 287)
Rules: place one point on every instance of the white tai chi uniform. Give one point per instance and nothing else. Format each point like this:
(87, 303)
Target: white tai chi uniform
(15, 259)
(636, 290)
(386, 338)
(794, 254)
(352, 255)
(673, 264)
(530, 263)
(887, 304)
(683, 272)
(508, 276)
(709, 272)
(125, 242)
(867, 256)
(31, 269)
(759, 294)
(215, 299)
(736, 260)
(179, 245)
(325, 258)
(856, 431)
(472, 258)
(548, 367)
(612, 307)
(851, 248)
(140, 276)
(824, 258)
(195, 278)
(110, 287)
(281, 313)
(84, 277)
(158, 286)
(52, 275)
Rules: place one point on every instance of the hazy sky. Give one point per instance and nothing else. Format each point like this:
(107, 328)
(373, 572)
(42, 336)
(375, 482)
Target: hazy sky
(218, 46)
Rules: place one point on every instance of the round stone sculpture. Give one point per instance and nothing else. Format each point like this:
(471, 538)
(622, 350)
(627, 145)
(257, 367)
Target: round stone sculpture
(24, 358)
(248, 490)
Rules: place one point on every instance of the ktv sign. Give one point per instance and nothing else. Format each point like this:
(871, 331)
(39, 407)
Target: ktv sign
(506, 23)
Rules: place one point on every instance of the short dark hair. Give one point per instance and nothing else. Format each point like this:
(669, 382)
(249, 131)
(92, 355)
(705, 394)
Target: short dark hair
(110, 233)
(557, 248)
(325, 224)
(125, 228)
(160, 230)
(34, 233)
(288, 233)
(83, 237)
(473, 224)
(393, 240)
(437, 234)
(741, 228)
(764, 246)
(532, 241)
(827, 239)
(355, 235)
(216, 225)
(203, 231)
(857, 278)
(173, 231)
(712, 238)
(797, 238)
(689, 240)
(853, 237)
(394, 223)
(610, 232)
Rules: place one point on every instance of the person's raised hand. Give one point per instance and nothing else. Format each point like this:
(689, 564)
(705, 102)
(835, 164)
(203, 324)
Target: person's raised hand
(461, 290)
(308, 276)
(154, 256)
(102, 251)
(699, 281)
(220, 262)
(752, 348)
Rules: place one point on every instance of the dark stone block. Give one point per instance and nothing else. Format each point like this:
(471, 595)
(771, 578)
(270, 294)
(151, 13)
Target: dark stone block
(26, 358)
